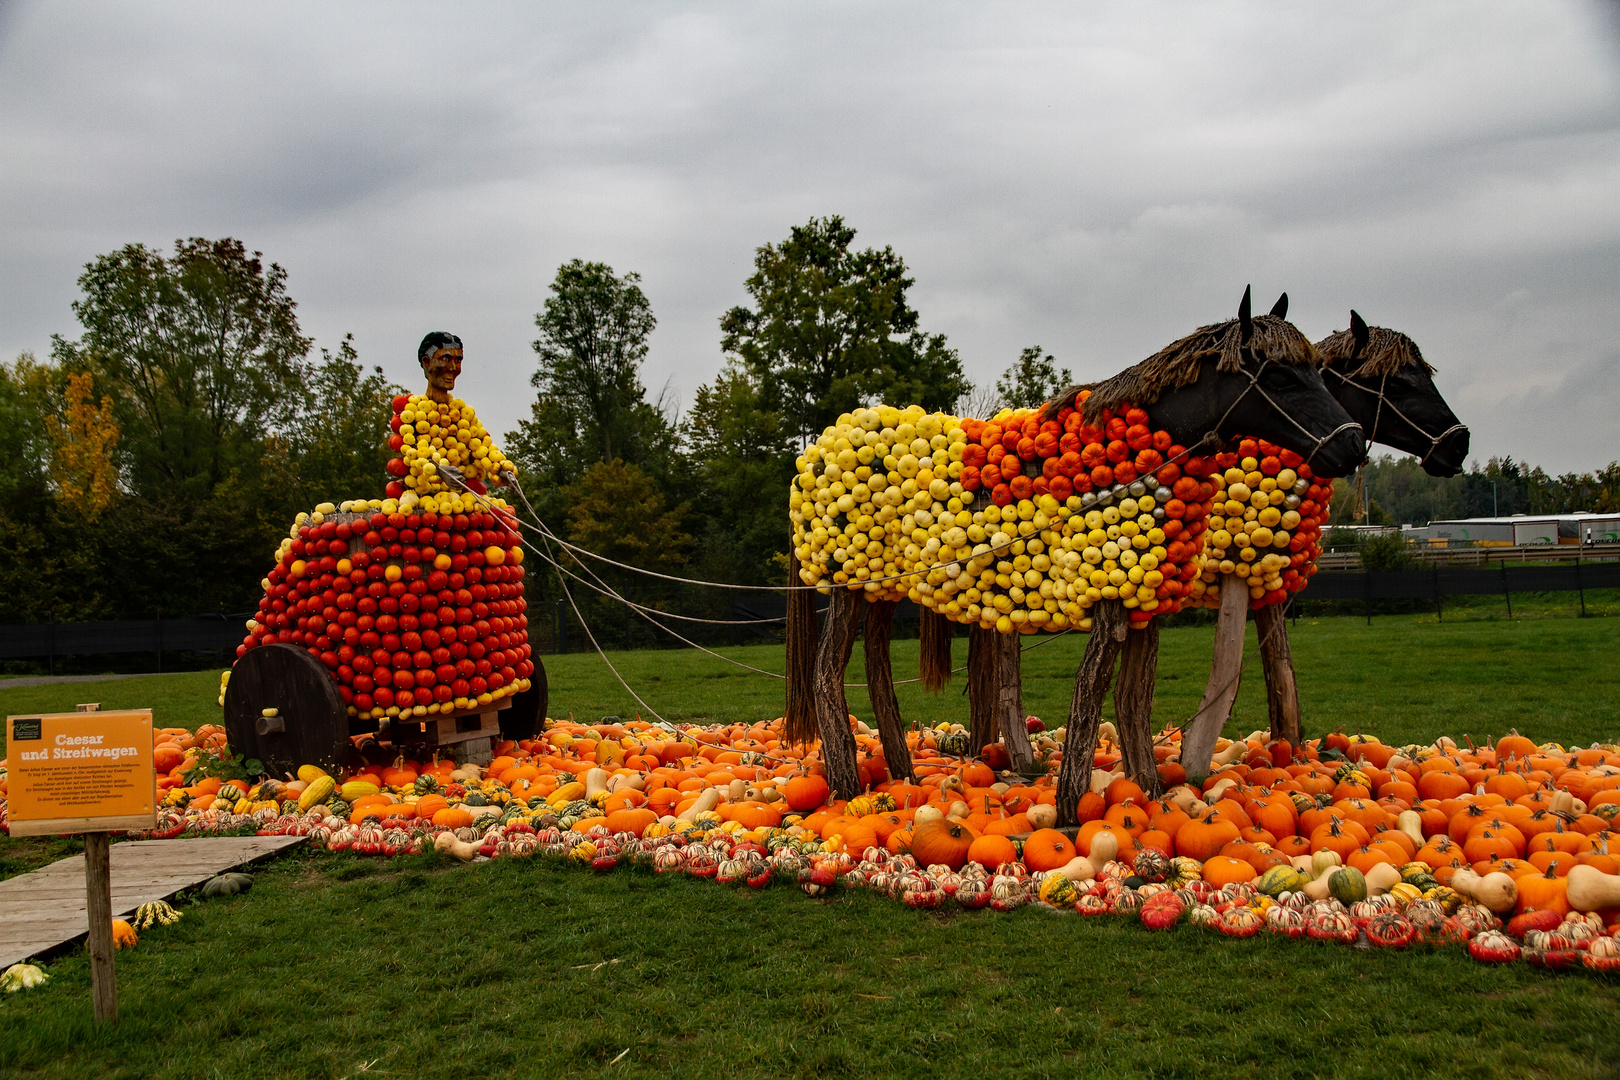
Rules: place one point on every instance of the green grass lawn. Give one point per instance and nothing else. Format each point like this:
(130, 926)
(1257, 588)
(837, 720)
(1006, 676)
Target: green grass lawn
(339, 966)
(334, 966)
(1402, 678)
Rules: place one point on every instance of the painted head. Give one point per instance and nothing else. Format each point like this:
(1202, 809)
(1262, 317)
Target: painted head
(1382, 380)
(1255, 376)
(440, 357)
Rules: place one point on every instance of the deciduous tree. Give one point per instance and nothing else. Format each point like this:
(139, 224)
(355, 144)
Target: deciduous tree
(831, 329)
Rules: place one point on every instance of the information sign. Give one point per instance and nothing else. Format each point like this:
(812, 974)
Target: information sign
(80, 772)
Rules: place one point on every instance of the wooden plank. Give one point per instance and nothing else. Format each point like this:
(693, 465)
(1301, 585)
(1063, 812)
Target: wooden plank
(46, 909)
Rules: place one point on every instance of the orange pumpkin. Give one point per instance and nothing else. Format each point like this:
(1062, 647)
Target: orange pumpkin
(1047, 849)
(943, 841)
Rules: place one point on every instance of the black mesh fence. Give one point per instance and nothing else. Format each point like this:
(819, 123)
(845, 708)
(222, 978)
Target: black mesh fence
(748, 617)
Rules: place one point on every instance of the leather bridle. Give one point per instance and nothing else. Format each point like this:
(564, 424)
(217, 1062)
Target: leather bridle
(1254, 385)
(1383, 400)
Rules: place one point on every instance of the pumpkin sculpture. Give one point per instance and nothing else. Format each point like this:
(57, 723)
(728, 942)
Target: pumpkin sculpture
(1269, 549)
(1092, 506)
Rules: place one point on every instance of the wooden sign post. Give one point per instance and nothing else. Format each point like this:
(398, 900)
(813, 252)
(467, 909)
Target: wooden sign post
(90, 773)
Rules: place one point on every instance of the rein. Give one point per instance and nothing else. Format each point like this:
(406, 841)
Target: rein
(1254, 385)
(1383, 400)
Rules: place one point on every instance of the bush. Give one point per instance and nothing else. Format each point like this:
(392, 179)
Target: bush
(1386, 552)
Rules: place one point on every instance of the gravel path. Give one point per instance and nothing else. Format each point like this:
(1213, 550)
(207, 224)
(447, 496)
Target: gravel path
(47, 680)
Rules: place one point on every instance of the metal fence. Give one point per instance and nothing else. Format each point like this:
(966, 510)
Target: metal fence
(1437, 583)
(211, 634)
(746, 618)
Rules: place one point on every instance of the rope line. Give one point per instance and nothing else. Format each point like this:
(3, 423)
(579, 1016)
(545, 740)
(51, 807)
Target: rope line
(1383, 401)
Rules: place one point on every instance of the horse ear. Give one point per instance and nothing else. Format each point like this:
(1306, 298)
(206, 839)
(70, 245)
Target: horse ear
(1359, 331)
(1280, 308)
(1245, 323)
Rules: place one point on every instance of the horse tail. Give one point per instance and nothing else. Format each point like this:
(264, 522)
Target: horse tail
(934, 661)
(799, 715)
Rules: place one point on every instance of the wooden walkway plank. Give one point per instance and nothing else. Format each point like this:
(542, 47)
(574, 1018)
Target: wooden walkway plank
(44, 910)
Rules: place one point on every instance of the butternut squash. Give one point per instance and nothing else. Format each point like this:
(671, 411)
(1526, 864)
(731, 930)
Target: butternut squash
(1590, 889)
(1104, 849)
(1078, 869)
(1495, 890)
(595, 782)
(1410, 822)
(447, 844)
(707, 801)
(1382, 878)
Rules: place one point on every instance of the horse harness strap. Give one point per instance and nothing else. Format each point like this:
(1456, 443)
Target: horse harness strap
(1383, 400)
(1254, 384)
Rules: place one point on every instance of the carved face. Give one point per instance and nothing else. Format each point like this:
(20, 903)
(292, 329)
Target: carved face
(442, 366)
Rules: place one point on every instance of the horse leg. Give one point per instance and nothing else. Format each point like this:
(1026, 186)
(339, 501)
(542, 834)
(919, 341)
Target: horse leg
(984, 680)
(1198, 740)
(1133, 706)
(934, 649)
(880, 688)
(799, 714)
(1108, 630)
(1277, 659)
(1010, 700)
(832, 710)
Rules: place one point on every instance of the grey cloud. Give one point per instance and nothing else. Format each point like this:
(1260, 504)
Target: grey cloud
(1098, 179)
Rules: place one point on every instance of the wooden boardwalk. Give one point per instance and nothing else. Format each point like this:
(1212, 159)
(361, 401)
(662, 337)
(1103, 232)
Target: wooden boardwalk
(45, 909)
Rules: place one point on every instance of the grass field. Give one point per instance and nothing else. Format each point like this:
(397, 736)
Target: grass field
(336, 966)
(1400, 678)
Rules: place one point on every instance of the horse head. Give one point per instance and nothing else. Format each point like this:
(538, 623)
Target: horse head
(1382, 380)
(1249, 377)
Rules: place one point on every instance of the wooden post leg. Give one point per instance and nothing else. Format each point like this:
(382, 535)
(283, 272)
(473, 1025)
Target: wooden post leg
(1108, 630)
(799, 723)
(1133, 706)
(984, 679)
(1282, 692)
(880, 689)
(1198, 740)
(98, 910)
(1010, 700)
(832, 710)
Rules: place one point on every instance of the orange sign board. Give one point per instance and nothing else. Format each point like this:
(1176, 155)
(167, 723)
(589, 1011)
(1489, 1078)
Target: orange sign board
(80, 772)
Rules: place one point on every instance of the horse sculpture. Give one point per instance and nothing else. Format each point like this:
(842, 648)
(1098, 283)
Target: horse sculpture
(1383, 382)
(1098, 496)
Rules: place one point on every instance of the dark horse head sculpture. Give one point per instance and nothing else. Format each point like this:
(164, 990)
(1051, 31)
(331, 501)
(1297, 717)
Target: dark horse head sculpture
(1381, 379)
(1249, 377)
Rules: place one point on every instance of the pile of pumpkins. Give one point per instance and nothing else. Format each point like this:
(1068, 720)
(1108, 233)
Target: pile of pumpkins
(1509, 849)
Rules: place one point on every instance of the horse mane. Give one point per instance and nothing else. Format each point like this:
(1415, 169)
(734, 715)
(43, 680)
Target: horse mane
(1387, 352)
(1178, 363)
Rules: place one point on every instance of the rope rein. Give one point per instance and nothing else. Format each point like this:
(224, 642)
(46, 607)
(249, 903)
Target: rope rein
(1383, 400)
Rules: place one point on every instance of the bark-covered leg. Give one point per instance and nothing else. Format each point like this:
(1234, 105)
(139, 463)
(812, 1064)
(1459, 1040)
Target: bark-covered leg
(1010, 700)
(880, 688)
(983, 682)
(1108, 630)
(1277, 658)
(832, 710)
(1133, 706)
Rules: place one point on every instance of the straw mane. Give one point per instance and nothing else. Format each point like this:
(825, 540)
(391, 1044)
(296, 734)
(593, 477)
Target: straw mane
(1387, 352)
(1178, 364)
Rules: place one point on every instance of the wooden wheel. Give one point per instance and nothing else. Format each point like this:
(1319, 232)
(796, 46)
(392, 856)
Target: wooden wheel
(528, 712)
(312, 725)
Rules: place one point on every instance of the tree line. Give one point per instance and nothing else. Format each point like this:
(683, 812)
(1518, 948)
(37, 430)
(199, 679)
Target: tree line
(1396, 491)
(156, 458)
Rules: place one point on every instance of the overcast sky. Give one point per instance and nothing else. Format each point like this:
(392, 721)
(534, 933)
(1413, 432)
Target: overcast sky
(1096, 179)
